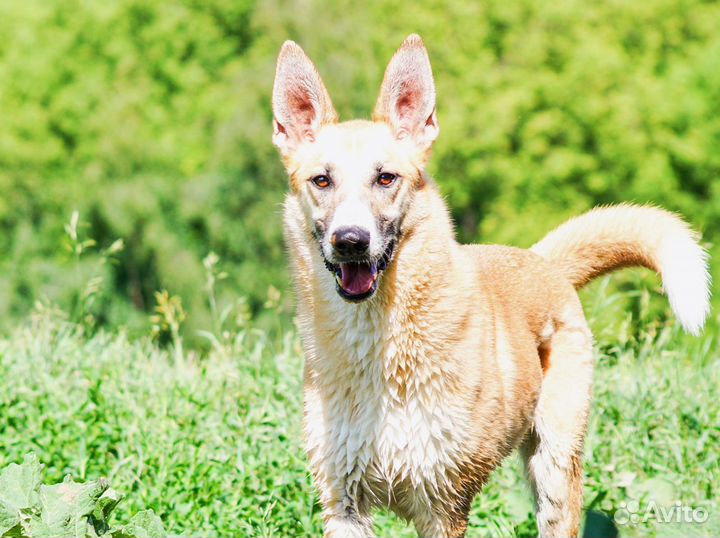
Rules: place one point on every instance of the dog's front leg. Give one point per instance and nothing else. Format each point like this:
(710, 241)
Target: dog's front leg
(345, 510)
(345, 515)
(348, 526)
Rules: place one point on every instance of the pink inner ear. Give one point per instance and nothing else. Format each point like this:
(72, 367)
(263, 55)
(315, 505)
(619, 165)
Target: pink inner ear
(408, 101)
(301, 106)
(302, 109)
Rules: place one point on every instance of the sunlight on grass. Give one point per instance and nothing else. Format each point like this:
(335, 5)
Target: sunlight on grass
(214, 445)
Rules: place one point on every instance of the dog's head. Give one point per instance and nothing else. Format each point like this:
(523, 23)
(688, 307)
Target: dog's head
(355, 180)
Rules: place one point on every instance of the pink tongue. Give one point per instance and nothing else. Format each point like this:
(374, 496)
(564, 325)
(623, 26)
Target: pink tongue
(357, 278)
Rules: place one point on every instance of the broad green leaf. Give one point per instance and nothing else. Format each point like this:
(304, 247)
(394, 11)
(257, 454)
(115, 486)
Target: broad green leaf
(19, 483)
(9, 518)
(15, 532)
(18, 491)
(104, 506)
(65, 510)
(145, 524)
(35, 527)
(65, 507)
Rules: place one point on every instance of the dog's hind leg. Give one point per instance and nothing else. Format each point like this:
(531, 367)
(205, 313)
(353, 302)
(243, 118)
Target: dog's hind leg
(553, 451)
(442, 525)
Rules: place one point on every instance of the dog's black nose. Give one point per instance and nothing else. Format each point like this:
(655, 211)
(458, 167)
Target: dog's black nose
(350, 241)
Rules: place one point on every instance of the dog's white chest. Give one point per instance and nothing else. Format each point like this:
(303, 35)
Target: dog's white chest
(387, 423)
(416, 446)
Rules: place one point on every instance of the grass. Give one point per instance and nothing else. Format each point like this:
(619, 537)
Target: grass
(213, 443)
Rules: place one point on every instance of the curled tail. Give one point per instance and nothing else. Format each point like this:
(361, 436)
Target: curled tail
(609, 238)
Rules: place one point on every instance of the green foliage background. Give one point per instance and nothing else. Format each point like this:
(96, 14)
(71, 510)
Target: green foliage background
(153, 120)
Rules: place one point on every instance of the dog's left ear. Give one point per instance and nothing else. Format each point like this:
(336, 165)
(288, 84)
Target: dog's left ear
(407, 95)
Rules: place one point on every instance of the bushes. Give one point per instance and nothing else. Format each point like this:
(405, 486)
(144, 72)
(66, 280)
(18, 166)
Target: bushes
(153, 120)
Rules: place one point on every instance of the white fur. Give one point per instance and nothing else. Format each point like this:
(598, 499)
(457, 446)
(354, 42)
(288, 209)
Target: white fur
(354, 211)
(366, 436)
(686, 280)
(347, 527)
(661, 236)
(506, 360)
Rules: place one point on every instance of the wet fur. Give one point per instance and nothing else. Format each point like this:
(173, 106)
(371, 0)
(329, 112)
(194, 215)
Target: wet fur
(464, 353)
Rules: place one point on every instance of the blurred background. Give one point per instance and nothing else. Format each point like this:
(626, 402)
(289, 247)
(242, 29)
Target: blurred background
(152, 121)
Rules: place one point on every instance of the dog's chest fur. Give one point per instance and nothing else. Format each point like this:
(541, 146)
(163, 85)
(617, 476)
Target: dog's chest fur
(389, 421)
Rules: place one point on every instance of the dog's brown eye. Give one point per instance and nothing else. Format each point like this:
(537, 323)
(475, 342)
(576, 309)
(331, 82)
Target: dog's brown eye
(321, 182)
(386, 179)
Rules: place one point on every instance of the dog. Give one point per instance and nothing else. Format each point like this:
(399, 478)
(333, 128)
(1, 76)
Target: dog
(428, 361)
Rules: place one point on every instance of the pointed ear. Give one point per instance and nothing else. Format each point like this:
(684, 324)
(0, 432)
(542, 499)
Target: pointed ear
(301, 104)
(407, 95)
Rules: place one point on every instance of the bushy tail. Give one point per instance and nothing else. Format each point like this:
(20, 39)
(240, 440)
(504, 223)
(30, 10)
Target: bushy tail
(608, 238)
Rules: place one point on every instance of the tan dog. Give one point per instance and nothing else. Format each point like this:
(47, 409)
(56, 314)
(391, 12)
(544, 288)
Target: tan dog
(427, 361)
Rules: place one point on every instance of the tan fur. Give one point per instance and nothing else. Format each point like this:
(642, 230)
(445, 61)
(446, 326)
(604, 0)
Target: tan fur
(606, 239)
(464, 353)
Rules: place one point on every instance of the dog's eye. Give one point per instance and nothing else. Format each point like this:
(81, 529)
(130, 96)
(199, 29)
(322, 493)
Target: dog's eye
(321, 182)
(386, 179)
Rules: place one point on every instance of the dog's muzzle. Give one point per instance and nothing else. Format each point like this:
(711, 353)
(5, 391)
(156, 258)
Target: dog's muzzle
(357, 279)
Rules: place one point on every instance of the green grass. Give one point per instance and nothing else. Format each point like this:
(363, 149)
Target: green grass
(213, 443)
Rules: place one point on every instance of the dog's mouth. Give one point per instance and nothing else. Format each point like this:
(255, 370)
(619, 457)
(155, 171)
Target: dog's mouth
(357, 280)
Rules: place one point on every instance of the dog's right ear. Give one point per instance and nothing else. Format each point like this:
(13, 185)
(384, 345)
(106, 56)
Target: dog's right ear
(301, 104)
